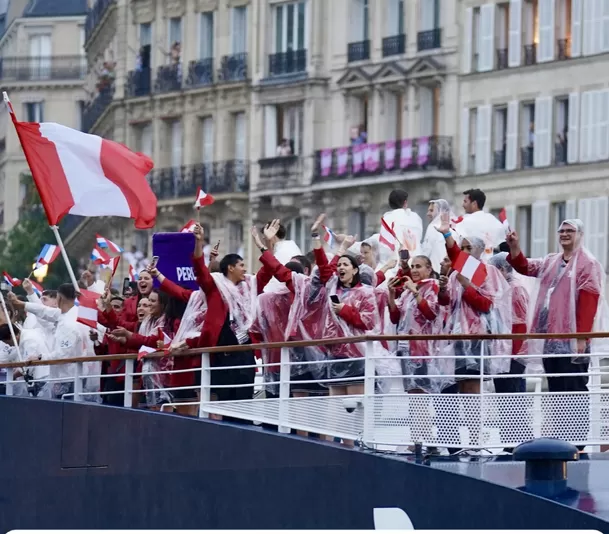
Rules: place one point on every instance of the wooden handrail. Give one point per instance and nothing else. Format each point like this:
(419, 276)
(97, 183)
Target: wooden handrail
(313, 343)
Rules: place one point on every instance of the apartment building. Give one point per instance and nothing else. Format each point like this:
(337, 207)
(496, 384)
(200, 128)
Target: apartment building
(171, 78)
(534, 127)
(365, 95)
(42, 68)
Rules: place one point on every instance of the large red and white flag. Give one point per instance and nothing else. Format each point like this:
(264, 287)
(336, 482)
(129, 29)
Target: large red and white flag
(82, 174)
(387, 235)
(474, 270)
(87, 308)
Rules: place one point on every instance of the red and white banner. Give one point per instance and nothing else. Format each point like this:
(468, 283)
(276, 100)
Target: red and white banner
(82, 174)
(387, 235)
(87, 308)
(474, 270)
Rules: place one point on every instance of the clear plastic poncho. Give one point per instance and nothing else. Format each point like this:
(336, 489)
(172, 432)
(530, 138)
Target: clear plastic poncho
(561, 286)
(408, 228)
(415, 360)
(152, 380)
(484, 226)
(463, 319)
(434, 244)
(193, 318)
(240, 299)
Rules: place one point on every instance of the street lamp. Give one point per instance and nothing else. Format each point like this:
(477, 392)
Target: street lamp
(40, 273)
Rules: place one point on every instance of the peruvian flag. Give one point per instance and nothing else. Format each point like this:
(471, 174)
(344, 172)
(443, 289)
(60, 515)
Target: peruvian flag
(144, 351)
(387, 235)
(189, 226)
(102, 242)
(47, 255)
(82, 174)
(99, 257)
(203, 199)
(13, 282)
(87, 308)
(504, 220)
(474, 270)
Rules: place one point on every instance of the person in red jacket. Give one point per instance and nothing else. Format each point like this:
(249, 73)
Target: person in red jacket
(231, 307)
(570, 291)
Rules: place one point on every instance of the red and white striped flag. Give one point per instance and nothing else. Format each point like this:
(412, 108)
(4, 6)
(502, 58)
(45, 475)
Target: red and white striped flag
(387, 235)
(87, 308)
(474, 270)
(144, 351)
(504, 220)
(82, 174)
(189, 227)
(203, 199)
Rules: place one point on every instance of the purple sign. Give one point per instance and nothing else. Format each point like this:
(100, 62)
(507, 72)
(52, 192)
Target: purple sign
(175, 257)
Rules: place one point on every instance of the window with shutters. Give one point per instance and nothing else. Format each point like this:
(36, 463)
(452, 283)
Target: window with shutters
(523, 225)
(559, 214)
(563, 28)
(239, 29)
(40, 56)
(499, 137)
(531, 31)
(206, 35)
(527, 134)
(174, 38)
(561, 129)
(290, 127)
(290, 31)
(476, 38)
(502, 34)
(357, 107)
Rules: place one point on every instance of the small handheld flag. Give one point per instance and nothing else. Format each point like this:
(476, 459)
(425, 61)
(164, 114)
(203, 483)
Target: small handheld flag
(144, 351)
(13, 282)
(203, 199)
(37, 288)
(474, 270)
(104, 243)
(98, 256)
(112, 264)
(329, 236)
(133, 276)
(189, 226)
(47, 255)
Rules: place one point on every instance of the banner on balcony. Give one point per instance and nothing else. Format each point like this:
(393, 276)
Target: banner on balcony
(423, 151)
(358, 158)
(326, 162)
(342, 158)
(174, 251)
(406, 153)
(371, 157)
(389, 155)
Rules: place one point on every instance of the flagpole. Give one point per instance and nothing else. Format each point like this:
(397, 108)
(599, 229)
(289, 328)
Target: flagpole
(64, 254)
(10, 325)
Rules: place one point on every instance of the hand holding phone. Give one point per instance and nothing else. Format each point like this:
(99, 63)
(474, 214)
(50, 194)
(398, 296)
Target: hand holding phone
(155, 260)
(404, 255)
(335, 299)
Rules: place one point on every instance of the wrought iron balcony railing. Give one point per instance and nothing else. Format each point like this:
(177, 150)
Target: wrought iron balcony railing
(394, 45)
(502, 58)
(499, 160)
(359, 51)
(280, 172)
(530, 54)
(215, 178)
(289, 62)
(423, 153)
(527, 157)
(429, 40)
(564, 48)
(38, 69)
(168, 78)
(139, 82)
(95, 15)
(95, 109)
(233, 68)
(560, 153)
(200, 73)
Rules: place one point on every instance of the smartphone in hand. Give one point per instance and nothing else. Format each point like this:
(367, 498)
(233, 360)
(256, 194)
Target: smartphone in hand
(335, 299)
(404, 255)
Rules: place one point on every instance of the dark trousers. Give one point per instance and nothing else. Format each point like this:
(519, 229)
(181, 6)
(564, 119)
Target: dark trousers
(512, 385)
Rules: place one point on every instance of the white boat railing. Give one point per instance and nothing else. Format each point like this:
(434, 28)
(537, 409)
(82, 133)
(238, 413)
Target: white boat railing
(387, 419)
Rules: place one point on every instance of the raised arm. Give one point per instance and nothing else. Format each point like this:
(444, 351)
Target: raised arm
(202, 274)
(170, 287)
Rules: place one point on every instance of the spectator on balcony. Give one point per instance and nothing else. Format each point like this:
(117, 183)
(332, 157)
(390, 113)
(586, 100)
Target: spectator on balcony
(284, 148)
(359, 136)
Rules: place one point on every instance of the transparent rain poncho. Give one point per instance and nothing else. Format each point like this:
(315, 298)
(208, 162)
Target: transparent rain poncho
(415, 354)
(485, 226)
(570, 294)
(434, 244)
(463, 319)
(152, 380)
(193, 318)
(240, 299)
(408, 228)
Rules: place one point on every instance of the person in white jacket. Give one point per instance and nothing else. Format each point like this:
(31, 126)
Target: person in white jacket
(68, 339)
(407, 225)
(434, 244)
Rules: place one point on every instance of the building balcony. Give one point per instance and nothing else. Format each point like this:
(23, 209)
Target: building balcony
(359, 51)
(560, 153)
(526, 157)
(40, 69)
(290, 62)
(502, 58)
(168, 78)
(95, 15)
(214, 178)
(429, 40)
(139, 83)
(394, 45)
(499, 160)
(233, 68)
(406, 155)
(564, 48)
(201, 73)
(95, 109)
(530, 54)
(280, 172)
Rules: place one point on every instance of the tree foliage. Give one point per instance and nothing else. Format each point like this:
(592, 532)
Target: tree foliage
(22, 244)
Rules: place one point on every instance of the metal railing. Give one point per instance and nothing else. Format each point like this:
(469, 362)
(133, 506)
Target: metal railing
(530, 54)
(502, 58)
(139, 82)
(290, 62)
(429, 40)
(96, 108)
(359, 51)
(95, 15)
(384, 417)
(38, 69)
(168, 78)
(424, 153)
(230, 176)
(233, 68)
(280, 172)
(394, 45)
(200, 73)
